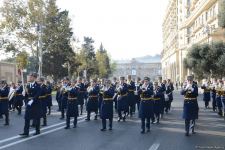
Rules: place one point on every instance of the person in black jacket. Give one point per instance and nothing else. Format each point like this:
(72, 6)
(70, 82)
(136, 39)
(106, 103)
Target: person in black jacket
(33, 106)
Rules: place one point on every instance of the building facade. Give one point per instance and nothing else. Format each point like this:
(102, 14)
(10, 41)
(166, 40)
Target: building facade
(8, 71)
(187, 22)
(138, 69)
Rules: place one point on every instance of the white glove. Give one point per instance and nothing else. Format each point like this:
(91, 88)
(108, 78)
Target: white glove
(24, 93)
(192, 89)
(30, 102)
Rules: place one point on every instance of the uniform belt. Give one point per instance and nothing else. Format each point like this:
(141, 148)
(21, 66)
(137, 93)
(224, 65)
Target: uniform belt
(107, 99)
(187, 99)
(30, 97)
(49, 95)
(123, 94)
(3, 98)
(156, 99)
(131, 90)
(19, 94)
(72, 98)
(146, 99)
(41, 97)
(93, 96)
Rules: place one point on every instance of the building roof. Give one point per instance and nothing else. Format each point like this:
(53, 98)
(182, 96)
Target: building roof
(145, 59)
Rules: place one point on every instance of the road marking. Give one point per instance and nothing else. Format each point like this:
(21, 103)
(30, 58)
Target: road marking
(155, 146)
(33, 137)
(33, 131)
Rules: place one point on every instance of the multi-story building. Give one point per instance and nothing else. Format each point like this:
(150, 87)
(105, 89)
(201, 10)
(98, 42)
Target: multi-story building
(138, 69)
(8, 71)
(187, 22)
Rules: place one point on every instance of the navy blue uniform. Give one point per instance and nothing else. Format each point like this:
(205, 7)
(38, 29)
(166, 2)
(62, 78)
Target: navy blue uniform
(169, 96)
(63, 100)
(146, 110)
(122, 104)
(18, 99)
(214, 98)
(130, 97)
(138, 96)
(158, 102)
(34, 110)
(49, 98)
(4, 103)
(107, 107)
(206, 95)
(43, 100)
(163, 90)
(58, 97)
(72, 106)
(190, 108)
(219, 93)
(92, 101)
(81, 96)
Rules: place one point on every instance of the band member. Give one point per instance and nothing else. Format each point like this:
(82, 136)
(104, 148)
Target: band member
(162, 84)
(122, 105)
(115, 84)
(58, 94)
(130, 95)
(219, 93)
(18, 99)
(33, 108)
(169, 95)
(206, 95)
(72, 105)
(11, 96)
(213, 90)
(137, 95)
(64, 97)
(4, 101)
(43, 99)
(157, 95)
(190, 109)
(107, 105)
(49, 96)
(92, 101)
(146, 110)
(101, 84)
(82, 93)
(223, 99)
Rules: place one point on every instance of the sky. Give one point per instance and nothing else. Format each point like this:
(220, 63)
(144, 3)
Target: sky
(127, 28)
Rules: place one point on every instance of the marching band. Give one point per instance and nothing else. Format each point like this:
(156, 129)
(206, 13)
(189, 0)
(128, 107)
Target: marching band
(103, 97)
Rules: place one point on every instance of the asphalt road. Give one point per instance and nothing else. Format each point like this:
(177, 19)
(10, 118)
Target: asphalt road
(168, 135)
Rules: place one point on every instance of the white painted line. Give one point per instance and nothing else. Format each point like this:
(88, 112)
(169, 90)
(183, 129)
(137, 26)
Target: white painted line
(155, 146)
(33, 137)
(33, 131)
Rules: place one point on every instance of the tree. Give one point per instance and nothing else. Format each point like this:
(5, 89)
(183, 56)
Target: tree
(103, 62)
(22, 60)
(206, 60)
(19, 22)
(58, 55)
(87, 58)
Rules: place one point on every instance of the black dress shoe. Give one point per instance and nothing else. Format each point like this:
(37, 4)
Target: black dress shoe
(143, 131)
(74, 126)
(6, 124)
(103, 129)
(37, 133)
(119, 120)
(24, 134)
(61, 118)
(44, 125)
(148, 130)
(87, 119)
(67, 127)
(110, 129)
(186, 134)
